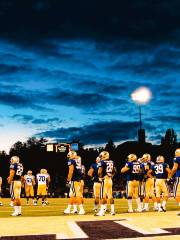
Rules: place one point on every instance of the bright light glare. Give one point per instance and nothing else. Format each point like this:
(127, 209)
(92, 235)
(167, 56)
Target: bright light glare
(141, 95)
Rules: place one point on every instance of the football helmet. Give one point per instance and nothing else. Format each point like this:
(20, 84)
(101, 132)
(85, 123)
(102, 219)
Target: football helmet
(14, 159)
(104, 155)
(177, 152)
(132, 157)
(71, 155)
(43, 171)
(29, 172)
(146, 157)
(160, 159)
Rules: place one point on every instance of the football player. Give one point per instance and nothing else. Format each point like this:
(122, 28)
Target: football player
(161, 171)
(82, 170)
(149, 183)
(29, 181)
(0, 190)
(106, 171)
(132, 170)
(43, 180)
(141, 182)
(93, 173)
(14, 179)
(176, 172)
(74, 182)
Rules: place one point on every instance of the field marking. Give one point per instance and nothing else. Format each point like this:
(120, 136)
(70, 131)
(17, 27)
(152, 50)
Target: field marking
(140, 230)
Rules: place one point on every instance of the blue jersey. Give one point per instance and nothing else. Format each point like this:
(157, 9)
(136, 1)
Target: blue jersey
(94, 166)
(147, 167)
(107, 167)
(77, 173)
(177, 160)
(18, 171)
(134, 172)
(159, 170)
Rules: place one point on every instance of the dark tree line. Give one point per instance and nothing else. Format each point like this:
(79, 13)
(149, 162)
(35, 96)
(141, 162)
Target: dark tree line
(34, 156)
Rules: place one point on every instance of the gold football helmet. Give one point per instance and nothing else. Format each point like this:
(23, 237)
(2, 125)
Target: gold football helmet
(43, 171)
(132, 157)
(29, 172)
(160, 159)
(104, 155)
(72, 154)
(14, 159)
(177, 152)
(146, 157)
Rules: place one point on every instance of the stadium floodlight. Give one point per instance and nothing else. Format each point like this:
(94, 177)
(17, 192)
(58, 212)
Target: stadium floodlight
(141, 96)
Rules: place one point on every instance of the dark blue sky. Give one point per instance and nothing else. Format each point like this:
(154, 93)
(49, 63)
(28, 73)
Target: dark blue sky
(68, 68)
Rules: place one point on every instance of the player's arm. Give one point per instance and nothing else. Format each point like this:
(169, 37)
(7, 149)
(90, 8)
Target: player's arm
(70, 174)
(33, 181)
(168, 170)
(91, 172)
(174, 169)
(23, 181)
(149, 173)
(49, 179)
(11, 175)
(114, 171)
(146, 167)
(125, 169)
(100, 172)
(0, 181)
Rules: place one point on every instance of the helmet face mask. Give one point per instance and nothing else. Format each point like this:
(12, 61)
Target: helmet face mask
(132, 157)
(29, 172)
(160, 159)
(14, 159)
(43, 171)
(72, 154)
(146, 157)
(177, 152)
(104, 155)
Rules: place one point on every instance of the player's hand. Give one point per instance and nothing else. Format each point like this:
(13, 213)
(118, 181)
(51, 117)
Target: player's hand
(68, 183)
(168, 180)
(9, 180)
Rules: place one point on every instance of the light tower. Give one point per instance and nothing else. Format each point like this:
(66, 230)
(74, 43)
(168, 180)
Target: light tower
(141, 96)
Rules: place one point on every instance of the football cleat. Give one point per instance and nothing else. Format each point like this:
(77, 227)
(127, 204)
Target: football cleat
(130, 211)
(15, 214)
(81, 212)
(67, 211)
(155, 209)
(100, 213)
(145, 210)
(74, 211)
(138, 210)
(113, 213)
(163, 209)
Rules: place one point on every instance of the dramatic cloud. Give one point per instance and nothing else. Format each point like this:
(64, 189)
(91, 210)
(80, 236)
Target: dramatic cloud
(96, 133)
(67, 66)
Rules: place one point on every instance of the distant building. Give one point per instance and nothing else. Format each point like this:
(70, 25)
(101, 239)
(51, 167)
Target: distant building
(141, 136)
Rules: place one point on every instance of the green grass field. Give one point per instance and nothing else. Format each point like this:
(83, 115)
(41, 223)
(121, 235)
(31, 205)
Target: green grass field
(49, 222)
(57, 205)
